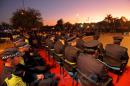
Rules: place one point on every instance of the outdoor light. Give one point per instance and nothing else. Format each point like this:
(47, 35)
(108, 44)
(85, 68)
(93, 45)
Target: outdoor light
(22, 13)
(81, 25)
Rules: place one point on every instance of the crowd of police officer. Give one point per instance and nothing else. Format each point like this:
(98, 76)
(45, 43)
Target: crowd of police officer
(23, 66)
(87, 62)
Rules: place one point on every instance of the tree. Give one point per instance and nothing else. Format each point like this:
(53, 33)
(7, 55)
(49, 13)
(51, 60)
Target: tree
(60, 25)
(108, 18)
(123, 21)
(26, 19)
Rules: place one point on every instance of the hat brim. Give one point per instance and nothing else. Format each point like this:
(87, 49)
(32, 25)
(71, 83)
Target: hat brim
(12, 55)
(111, 62)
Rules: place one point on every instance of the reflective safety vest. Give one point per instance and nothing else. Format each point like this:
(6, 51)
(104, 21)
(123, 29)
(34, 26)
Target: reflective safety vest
(15, 81)
(26, 40)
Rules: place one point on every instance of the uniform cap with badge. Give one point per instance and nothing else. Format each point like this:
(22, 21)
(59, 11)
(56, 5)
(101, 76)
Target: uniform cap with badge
(10, 53)
(91, 46)
(18, 39)
(23, 44)
(117, 38)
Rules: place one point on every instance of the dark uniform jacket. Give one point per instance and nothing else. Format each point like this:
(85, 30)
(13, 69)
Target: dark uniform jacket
(115, 54)
(91, 68)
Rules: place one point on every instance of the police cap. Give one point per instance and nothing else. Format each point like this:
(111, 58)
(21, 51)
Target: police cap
(91, 46)
(10, 53)
(23, 44)
(119, 37)
(18, 39)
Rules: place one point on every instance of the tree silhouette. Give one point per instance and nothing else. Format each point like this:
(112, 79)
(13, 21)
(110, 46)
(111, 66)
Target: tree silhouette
(59, 26)
(26, 19)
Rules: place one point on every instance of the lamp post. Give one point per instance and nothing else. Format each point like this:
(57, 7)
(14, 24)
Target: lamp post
(23, 7)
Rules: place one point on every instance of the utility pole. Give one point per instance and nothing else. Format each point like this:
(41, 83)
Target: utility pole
(23, 4)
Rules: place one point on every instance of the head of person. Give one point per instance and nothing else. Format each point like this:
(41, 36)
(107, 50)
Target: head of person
(117, 39)
(18, 39)
(91, 47)
(23, 47)
(11, 57)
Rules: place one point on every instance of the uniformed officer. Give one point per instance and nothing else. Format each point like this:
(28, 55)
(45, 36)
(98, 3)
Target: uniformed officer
(31, 58)
(17, 42)
(91, 72)
(35, 67)
(10, 58)
(71, 53)
(23, 47)
(16, 74)
(116, 54)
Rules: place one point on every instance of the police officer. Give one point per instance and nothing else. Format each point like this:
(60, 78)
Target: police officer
(31, 58)
(115, 53)
(10, 59)
(71, 53)
(35, 63)
(23, 47)
(91, 71)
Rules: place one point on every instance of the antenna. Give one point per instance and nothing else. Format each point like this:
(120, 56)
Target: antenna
(23, 4)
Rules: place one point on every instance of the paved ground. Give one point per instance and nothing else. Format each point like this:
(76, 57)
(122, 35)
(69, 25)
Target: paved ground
(107, 38)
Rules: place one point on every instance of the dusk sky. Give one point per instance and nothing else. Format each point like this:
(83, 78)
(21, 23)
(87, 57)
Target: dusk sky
(69, 10)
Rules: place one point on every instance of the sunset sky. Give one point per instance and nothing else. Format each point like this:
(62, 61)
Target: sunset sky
(69, 10)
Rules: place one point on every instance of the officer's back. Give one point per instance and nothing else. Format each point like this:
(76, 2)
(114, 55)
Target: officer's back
(71, 53)
(90, 67)
(115, 53)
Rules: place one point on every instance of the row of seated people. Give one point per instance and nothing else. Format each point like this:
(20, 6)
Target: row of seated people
(88, 59)
(114, 57)
(22, 66)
